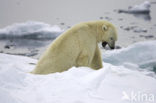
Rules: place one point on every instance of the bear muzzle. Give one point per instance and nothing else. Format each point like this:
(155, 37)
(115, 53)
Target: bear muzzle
(111, 46)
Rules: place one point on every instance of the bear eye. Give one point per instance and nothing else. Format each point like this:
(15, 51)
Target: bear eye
(111, 38)
(104, 27)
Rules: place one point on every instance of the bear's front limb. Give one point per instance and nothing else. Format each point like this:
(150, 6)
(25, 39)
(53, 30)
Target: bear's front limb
(97, 60)
(83, 59)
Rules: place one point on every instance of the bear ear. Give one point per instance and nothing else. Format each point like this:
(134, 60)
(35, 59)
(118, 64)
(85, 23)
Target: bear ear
(104, 27)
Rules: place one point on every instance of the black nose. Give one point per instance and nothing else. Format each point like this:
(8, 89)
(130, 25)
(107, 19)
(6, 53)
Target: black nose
(112, 47)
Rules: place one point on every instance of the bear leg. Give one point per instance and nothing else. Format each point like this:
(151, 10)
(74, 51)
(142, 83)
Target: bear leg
(83, 59)
(97, 60)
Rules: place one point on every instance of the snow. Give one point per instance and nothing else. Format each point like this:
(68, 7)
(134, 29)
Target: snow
(30, 29)
(142, 8)
(140, 55)
(114, 83)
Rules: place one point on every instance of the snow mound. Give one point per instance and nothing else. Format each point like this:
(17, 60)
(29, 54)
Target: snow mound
(138, 55)
(142, 8)
(30, 29)
(111, 84)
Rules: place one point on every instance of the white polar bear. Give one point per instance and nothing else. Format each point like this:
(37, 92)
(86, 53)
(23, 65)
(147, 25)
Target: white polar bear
(78, 46)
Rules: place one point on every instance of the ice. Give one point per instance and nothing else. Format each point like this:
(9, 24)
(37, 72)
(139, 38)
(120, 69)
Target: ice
(139, 55)
(142, 8)
(32, 30)
(114, 83)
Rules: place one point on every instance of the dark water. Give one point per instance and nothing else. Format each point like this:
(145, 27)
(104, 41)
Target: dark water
(25, 47)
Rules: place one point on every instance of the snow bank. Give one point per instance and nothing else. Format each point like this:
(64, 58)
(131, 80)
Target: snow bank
(30, 29)
(142, 8)
(139, 55)
(111, 84)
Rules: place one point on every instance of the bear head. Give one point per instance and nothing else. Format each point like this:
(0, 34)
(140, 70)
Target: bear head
(107, 34)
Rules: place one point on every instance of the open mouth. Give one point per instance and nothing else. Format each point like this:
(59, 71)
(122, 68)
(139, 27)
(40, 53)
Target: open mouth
(105, 43)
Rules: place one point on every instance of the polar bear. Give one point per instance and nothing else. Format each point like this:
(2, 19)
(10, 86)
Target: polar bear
(78, 46)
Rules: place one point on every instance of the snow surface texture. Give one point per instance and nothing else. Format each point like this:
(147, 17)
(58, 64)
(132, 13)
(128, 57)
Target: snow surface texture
(114, 83)
(30, 29)
(141, 55)
(142, 8)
